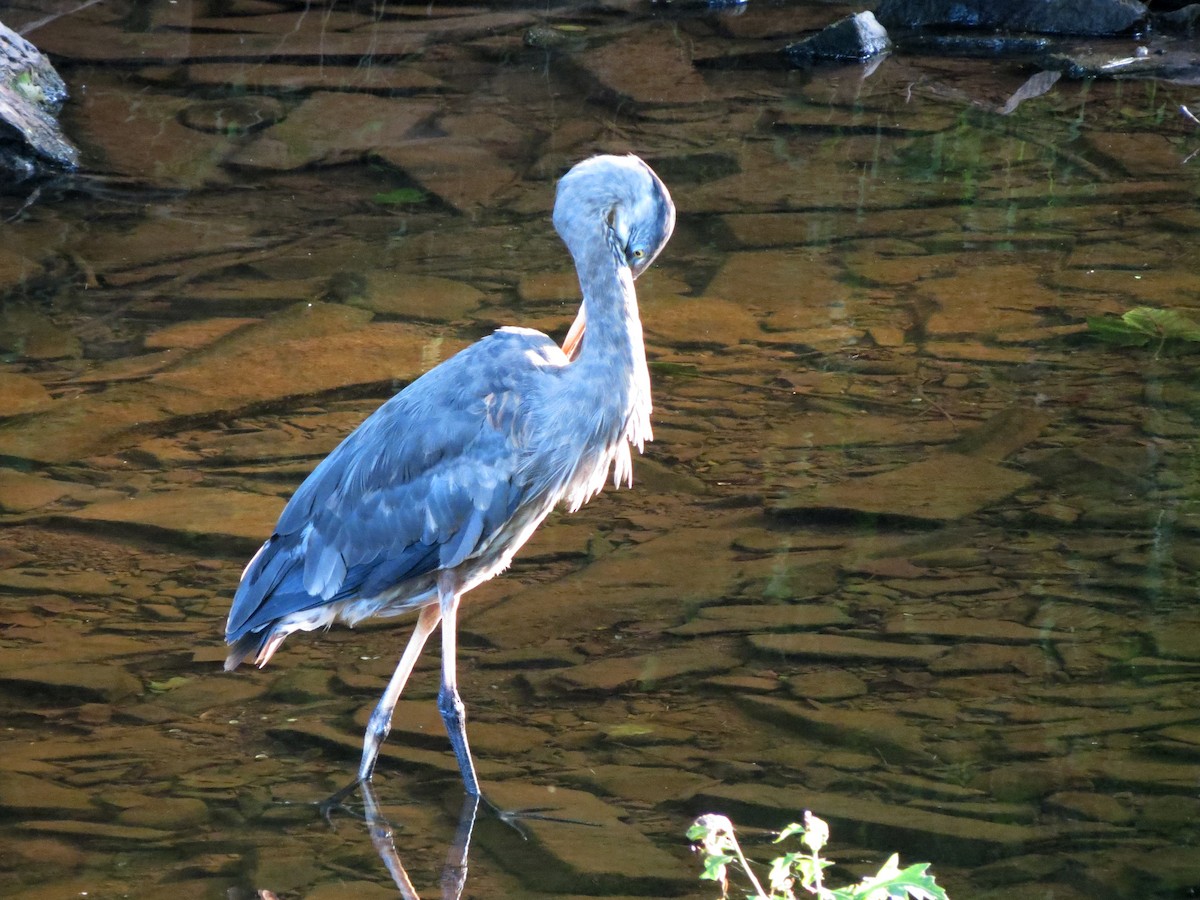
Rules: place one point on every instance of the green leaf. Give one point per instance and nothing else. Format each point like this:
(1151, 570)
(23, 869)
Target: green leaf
(714, 867)
(794, 828)
(401, 197)
(24, 85)
(1143, 324)
(1113, 330)
(799, 869)
(781, 875)
(891, 882)
(1165, 324)
(809, 869)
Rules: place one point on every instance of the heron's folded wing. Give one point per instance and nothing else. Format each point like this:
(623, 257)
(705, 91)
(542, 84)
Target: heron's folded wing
(425, 483)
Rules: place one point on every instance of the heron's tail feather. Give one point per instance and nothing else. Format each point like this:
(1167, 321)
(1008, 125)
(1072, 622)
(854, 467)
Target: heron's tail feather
(247, 645)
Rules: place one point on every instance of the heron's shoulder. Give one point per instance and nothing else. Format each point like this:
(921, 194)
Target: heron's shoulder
(528, 340)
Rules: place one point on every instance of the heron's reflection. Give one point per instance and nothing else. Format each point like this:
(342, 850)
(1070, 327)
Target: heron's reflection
(454, 872)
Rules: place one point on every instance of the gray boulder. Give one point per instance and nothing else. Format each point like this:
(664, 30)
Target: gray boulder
(1077, 17)
(31, 95)
(857, 37)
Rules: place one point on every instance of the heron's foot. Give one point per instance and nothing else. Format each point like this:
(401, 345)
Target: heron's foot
(514, 818)
(336, 801)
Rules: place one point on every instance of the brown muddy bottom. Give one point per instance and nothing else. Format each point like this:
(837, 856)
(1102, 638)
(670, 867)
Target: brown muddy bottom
(910, 549)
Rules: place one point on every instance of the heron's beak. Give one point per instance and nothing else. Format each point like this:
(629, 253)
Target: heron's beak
(574, 336)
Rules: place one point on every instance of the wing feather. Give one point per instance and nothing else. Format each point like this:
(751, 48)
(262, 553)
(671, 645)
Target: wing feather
(422, 484)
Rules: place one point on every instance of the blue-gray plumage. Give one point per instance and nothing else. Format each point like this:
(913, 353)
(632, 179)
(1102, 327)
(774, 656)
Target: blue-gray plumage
(437, 490)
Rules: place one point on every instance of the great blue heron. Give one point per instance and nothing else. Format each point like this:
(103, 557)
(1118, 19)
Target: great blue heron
(437, 490)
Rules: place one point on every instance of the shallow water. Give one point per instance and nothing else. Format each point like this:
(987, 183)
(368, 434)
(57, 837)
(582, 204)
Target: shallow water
(911, 549)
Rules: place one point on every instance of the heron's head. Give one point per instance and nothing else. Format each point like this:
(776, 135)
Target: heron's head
(619, 198)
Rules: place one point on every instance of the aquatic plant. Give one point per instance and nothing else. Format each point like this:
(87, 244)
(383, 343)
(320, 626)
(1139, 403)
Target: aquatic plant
(714, 836)
(1144, 325)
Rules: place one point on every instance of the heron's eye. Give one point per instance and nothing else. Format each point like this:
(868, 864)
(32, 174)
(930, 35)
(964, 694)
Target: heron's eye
(639, 253)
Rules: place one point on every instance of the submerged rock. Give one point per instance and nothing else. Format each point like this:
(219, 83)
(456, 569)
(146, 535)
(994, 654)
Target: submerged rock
(762, 617)
(613, 858)
(166, 813)
(20, 394)
(645, 671)
(868, 730)
(940, 488)
(646, 68)
(87, 681)
(429, 297)
(966, 838)
(842, 648)
(40, 797)
(305, 350)
(1168, 61)
(826, 685)
(330, 128)
(20, 492)
(31, 334)
(191, 514)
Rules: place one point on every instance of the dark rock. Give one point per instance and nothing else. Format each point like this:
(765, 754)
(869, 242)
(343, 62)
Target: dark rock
(973, 44)
(31, 94)
(1172, 60)
(1084, 17)
(1186, 19)
(855, 37)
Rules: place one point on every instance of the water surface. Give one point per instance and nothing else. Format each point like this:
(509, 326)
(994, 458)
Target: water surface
(910, 549)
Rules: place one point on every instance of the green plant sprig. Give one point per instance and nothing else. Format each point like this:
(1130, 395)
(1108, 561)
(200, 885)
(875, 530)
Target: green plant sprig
(715, 837)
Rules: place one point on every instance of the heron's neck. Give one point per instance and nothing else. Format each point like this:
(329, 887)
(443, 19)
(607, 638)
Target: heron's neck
(613, 354)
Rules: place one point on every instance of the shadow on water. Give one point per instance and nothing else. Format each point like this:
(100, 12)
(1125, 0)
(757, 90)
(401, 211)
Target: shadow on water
(910, 549)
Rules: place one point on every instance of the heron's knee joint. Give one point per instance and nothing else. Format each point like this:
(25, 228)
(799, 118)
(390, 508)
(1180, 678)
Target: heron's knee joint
(380, 724)
(450, 705)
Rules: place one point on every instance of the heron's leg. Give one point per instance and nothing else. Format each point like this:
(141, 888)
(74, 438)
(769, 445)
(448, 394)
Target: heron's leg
(380, 722)
(450, 704)
(454, 873)
(385, 843)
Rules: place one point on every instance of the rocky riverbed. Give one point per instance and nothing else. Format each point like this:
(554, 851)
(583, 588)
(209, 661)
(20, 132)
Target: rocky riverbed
(910, 549)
